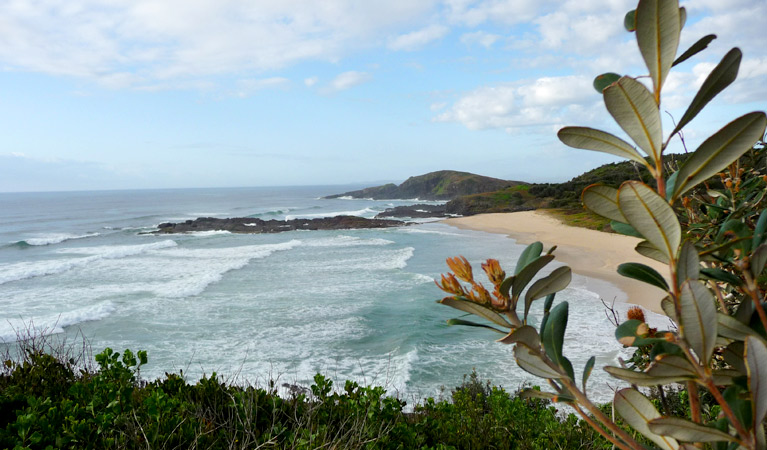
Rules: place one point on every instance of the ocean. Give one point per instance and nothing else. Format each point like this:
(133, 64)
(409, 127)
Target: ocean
(351, 304)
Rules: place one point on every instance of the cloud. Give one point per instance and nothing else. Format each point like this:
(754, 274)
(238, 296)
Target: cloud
(507, 12)
(417, 39)
(311, 81)
(348, 79)
(543, 102)
(249, 86)
(480, 37)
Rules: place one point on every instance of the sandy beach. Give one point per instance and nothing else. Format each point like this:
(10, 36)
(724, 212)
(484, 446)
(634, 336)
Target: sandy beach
(591, 253)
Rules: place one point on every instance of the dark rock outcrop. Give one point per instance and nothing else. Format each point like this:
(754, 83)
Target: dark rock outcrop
(441, 185)
(414, 211)
(251, 225)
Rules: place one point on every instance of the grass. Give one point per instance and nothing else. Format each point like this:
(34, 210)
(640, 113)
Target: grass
(580, 218)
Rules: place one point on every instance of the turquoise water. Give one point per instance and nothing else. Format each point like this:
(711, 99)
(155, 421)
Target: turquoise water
(353, 304)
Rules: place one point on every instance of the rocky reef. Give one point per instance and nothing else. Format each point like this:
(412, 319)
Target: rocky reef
(419, 211)
(251, 225)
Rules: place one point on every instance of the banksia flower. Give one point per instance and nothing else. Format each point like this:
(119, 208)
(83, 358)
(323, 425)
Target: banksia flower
(462, 268)
(635, 312)
(494, 272)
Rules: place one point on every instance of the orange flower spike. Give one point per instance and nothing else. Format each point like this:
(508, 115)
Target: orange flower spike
(494, 272)
(499, 302)
(482, 295)
(451, 285)
(635, 312)
(462, 268)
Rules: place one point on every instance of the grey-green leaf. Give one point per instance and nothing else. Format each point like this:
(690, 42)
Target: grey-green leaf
(554, 334)
(685, 430)
(651, 215)
(658, 28)
(732, 328)
(671, 366)
(719, 150)
(557, 280)
(473, 324)
(695, 48)
(643, 273)
(526, 275)
(760, 229)
(604, 80)
(530, 361)
(645, 248)
(602, 200)
(478, 310)
(756, 361)
(688, 267)
(624, 229)
(667, 305)
(525, 334)
(587, 371)
(529, 254)
(758, 260)
(638, 411)
(643, 379)
(698, 321)
(722, 76)
(599, 141)
(634, 109)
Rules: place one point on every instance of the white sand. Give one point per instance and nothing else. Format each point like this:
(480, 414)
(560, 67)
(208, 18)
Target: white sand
(591, 253)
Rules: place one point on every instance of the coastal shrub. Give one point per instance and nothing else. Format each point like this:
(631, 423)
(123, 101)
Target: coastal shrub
(711, 235)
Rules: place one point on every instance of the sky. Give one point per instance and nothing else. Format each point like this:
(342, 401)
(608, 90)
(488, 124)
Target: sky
(136, 94)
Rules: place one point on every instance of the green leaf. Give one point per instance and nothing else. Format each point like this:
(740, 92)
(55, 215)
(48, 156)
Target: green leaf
(604, 80)
(719, 150)
(670, 185)
(671, 366)
(624, 229)
(643, 273)
(758, 260)
(722, 76)
(756, 364)
(658, 28)
(599, 141)
(587, 371)
(473, 324)
(682, 17)
(695, 48)
(698, 322)
(638, 411)
(641, 378)
(506, 285)
(648, 250)
(651, 215)
(760, 229)
(554, 334)
(629, 20)
(685, 430)
(531, 362)
(603, 200)
(734, 355)
(525, 334)
(634, 109)
(667, 305)
(470, 307)
(526, 275)
(688, 267)
(732, 328)
(529, 254)
(632, 332)
(717, 274)
(557, 280)
(546, 310)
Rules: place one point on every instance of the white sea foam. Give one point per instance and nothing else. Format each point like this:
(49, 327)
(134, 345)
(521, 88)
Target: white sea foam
(396, 259)
(359, 212)
(208, 233)
(56, 238)
(24, 270)
(53, 323)
(346, 241)
(414, 230)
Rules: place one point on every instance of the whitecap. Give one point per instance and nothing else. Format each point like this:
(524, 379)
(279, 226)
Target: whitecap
(208, 233)
(56, 238)
(347, 241)
(11, 329)
(359, 213)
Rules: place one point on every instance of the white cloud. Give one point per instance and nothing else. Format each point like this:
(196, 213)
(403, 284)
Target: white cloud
(480, 37)
(249, 86)
(475, 12)
(311, 81)
(417, 39)
(348, 79)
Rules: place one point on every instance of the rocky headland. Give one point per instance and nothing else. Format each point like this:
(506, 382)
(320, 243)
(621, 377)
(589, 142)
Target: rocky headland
(251, 225)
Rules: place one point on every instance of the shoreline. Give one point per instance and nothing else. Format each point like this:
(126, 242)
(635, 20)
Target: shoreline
(593, 254)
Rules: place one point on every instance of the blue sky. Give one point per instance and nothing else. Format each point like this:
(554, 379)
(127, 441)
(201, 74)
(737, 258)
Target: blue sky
(120, 94)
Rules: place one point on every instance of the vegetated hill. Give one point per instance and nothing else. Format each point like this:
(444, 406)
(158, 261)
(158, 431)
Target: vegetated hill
(441, 185)
(565, 195)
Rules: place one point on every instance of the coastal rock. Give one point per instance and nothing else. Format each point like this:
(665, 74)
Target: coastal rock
(420, 211)
(251, 225)
(441, 185)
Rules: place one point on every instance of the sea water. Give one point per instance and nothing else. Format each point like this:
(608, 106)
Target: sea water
(351, 304)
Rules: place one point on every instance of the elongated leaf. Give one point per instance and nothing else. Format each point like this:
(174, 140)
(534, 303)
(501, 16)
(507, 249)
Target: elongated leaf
(651, 215)
(554, 334)
(630, 331)
(685, 430)
(734, 355)
(658, 27)
(478, 310)
(725, 377)
(526, 275)
(682, 17)
(671, 366)
(695, 48)
(732, 328)
(722, 76)
(629, 20)
(546, 310)
(557, 280)
(645, 248)
(529, 254)
(721, 149)
(720, 275)
(667, 305)
(758, 260)
(756, 363)
(699, 321)
(624, 229)
(638, 411)
(760, 229)
(531, 362)
(587, 371)
(643, 273)
(602, 200)
(473, 324)
(688, 267)
(643, 379)
(525, 334)
(506, 286)
(635, 110)
(604, 80)
(599, 141)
